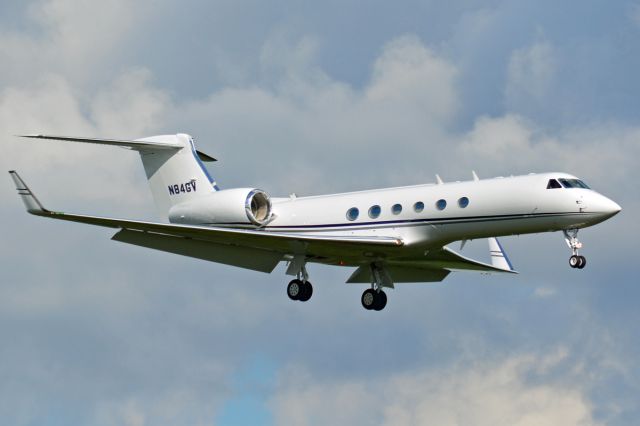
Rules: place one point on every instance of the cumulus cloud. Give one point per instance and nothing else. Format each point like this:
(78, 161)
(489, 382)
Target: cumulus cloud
(74, 38)
(138, 337)
(531, 71)
(517, 391)
(409, 72)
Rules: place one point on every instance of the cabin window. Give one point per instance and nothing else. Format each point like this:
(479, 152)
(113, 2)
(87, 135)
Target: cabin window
(463, 202)
(573, 183)
(418, 207)
(352, 213)
(374, 211)
(553, 184)
(396, 209)
(441, 204)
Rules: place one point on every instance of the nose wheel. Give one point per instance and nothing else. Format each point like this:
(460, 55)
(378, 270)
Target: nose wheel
(576, 261)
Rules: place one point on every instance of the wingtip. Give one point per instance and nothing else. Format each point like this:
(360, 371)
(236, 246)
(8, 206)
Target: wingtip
(30, 201)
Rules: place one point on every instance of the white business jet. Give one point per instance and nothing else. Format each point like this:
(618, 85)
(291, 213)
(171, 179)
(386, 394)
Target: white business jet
(393, 235)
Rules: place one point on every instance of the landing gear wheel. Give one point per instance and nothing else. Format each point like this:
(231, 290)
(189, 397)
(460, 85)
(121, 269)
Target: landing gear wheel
(375, 300)
(368, 299)
(381, 301)
(583, 262)
(575, 261)
(306, 293)
(294, 289)
(571, 237)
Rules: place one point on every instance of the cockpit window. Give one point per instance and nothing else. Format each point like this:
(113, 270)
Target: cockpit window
(573, 183)
(553, 184)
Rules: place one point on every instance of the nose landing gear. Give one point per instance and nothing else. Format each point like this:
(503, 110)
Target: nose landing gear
(576, 261)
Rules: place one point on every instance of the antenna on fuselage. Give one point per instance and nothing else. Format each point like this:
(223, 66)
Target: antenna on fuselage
(475, 176)
(439, 180)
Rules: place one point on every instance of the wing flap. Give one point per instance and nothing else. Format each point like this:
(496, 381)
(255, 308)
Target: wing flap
(401, 274)
(243, 257)
(445, 258)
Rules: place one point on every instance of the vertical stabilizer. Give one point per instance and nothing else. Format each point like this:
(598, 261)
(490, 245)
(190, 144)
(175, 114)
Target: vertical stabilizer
(175, 176)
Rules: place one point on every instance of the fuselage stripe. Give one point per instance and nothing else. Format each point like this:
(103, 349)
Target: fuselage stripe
(426, 221)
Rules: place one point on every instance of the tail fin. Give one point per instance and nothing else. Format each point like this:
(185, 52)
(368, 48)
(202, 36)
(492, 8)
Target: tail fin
(173, 167)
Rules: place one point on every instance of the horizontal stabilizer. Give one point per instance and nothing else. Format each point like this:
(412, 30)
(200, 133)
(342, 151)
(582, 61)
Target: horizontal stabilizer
(137, 145)
(131, 144)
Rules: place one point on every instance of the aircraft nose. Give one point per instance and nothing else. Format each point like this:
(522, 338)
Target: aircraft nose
(607, 207)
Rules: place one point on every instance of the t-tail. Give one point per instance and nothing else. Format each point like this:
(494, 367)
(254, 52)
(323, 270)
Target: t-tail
(173, 167)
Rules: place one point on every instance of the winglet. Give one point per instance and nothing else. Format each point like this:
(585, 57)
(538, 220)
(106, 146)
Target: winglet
(499, 258)
(30, 201)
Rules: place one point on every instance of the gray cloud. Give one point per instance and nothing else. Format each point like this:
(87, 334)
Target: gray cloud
(97, 332)
(502, 392)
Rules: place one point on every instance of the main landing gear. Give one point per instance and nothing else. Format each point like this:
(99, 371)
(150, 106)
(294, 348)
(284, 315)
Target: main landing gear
(576, 261)
(374, 299)
(299, 290)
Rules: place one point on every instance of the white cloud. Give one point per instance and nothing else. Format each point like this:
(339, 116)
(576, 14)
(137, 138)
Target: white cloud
(530, 74)
(76, 38)
(409, 72)
(521, 390)
(307, 132)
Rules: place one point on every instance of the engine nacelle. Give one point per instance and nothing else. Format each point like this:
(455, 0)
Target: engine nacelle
(241, 206)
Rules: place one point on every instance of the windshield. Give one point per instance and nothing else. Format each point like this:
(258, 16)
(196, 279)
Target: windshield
(573, 183)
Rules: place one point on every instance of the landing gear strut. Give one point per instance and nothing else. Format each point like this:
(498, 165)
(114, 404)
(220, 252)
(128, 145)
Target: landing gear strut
(300, 288)
(375, 298)
(576, 260)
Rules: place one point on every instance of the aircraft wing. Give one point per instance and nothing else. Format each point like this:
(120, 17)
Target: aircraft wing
(434, 266)
(253, 249)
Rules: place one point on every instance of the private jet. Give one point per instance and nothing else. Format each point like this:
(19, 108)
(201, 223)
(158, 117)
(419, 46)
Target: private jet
(390, 236)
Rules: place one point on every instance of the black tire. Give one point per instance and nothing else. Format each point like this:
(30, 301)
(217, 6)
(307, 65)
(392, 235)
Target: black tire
(368, 299)
(294, 289)
(381, 301)
(306, 293)
(574, 261)
(583, 262)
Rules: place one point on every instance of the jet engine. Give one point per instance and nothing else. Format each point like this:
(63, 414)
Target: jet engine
(241, 206)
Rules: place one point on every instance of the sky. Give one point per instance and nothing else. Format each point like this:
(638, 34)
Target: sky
(312, 98)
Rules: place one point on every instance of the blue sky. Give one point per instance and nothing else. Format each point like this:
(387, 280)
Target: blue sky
(312, 98)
